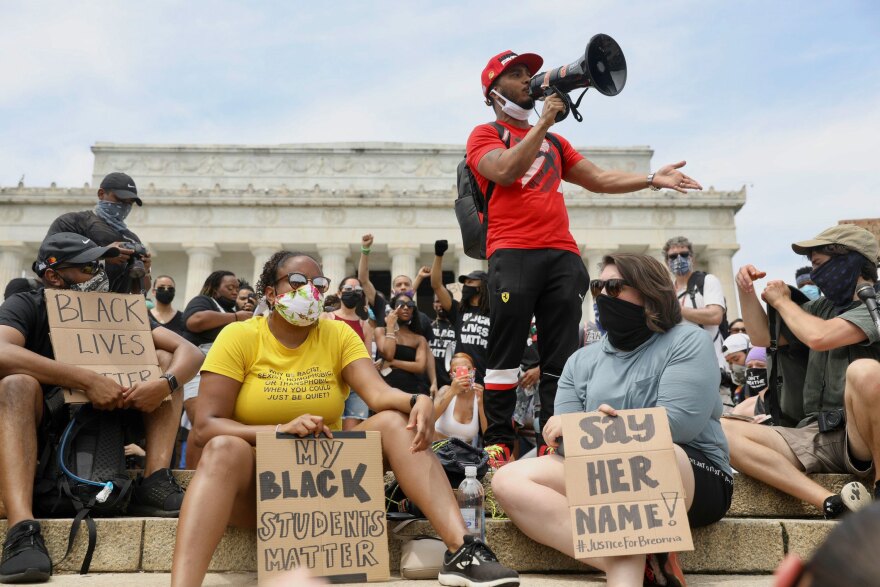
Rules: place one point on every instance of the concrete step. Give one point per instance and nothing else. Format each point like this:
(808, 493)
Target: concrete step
(732, 546)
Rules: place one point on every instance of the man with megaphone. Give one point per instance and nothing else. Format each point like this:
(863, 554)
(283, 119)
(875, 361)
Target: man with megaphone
(535, 267)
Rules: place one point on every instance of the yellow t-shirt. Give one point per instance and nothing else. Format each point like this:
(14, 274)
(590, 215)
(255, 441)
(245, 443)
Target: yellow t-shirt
(279, 384)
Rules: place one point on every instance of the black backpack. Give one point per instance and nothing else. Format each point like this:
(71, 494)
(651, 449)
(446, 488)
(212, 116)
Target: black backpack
(82, 470)
(695, 286)
(472, 207)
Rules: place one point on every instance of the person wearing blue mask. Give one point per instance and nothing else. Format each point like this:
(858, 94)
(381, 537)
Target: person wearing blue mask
(105, 225)
(805, 283)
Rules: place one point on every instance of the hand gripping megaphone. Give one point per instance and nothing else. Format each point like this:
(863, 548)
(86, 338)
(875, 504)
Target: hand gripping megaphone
(602, 66)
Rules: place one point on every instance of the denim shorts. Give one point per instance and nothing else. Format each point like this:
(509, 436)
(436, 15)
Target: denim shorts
(191, 387)
(355, 407)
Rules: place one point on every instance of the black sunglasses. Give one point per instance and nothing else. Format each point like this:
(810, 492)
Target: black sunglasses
(165, 288)
(402, 304)
(612, 287)
(297, 280)
(351, 288)
(674, 256)
(90, 268)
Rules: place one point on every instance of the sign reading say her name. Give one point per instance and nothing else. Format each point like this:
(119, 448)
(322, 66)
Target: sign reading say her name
(321, 505)
(623, 485)
(108, 333)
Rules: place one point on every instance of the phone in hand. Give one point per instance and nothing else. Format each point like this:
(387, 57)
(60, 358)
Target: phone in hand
(462, 371)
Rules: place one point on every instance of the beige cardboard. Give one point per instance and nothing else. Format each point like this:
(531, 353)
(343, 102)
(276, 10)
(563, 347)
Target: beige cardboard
(594, 433)
(623, 485)
(106, 311)
(108, 333)
(309, 515)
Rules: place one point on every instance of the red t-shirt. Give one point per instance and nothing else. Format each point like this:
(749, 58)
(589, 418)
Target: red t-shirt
(530, 213)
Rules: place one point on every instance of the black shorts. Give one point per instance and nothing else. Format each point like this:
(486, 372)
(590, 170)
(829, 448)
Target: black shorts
(713, 490)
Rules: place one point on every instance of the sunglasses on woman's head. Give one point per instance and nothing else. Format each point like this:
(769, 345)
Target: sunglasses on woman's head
(402, 304)
(297, 280)
(90, 268)
(612, 287)
(674, 256)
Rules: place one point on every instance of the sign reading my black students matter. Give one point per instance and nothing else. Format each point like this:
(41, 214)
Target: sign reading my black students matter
(321, 505)
(108, 333)
(623, 486)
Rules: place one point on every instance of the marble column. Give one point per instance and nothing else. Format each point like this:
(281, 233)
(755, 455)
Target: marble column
(720, 262)
(12, 261)
(201, 264)
(592, 260)
(261, 253)
(403, 260)
(333, 262)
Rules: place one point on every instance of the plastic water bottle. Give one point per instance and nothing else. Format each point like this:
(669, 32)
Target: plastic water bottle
(470, 501)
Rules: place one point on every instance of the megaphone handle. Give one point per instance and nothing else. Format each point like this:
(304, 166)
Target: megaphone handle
(566, 101)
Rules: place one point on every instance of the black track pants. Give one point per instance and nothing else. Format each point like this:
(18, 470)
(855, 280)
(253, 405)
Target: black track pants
(549, 284)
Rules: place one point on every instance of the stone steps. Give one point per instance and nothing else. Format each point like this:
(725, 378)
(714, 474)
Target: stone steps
(761, 528)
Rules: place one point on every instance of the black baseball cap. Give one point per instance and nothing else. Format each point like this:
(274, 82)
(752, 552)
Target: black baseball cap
(474, 275)
(69, 247)
(122, 185)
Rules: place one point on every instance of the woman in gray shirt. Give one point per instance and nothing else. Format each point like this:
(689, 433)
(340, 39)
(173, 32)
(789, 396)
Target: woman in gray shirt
(648, 359)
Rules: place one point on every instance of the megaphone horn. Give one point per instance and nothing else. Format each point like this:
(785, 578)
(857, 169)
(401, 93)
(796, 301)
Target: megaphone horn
(602, 66)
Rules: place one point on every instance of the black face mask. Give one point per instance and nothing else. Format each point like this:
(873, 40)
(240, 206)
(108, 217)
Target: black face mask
(228, 305)
(468, 291)
(624, 322)
(351, 299)
(441, 314)
(165, 296)
(837, 277)
(756, 379)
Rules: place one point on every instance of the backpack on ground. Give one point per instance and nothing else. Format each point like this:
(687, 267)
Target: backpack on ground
(472, 206)
(695, 286)
(81, 472)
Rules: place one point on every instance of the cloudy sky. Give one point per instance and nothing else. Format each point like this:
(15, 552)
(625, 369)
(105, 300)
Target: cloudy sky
(783, 97)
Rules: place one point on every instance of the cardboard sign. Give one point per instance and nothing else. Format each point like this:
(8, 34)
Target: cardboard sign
(623, 485)
(108, 333)
(321, 505)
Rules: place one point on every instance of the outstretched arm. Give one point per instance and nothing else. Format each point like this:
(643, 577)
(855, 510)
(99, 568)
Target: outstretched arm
(590, 176)
(440, 290)
(364, 269)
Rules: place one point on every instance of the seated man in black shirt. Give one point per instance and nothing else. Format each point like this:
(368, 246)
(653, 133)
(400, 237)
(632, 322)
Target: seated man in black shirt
(29, 375)
(129, 271)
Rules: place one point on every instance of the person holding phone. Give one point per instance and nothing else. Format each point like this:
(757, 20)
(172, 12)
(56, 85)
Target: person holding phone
(458, 406)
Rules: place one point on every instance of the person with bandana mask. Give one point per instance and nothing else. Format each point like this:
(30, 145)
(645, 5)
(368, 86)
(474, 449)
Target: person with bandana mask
(649, 358)
(163, 312)
(535, 265)
(735, 349)
(751, 403)
(243, 393)
(353, 311)
(835, 409)
(204, 317)
(105, 225)
(31, 381)
(805, 283)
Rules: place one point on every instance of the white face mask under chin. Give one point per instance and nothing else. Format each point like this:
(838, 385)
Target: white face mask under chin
(512, 110)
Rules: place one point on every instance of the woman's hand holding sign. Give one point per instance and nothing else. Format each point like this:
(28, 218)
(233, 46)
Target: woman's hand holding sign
(145, 396)
(553, 428)
(305, 425)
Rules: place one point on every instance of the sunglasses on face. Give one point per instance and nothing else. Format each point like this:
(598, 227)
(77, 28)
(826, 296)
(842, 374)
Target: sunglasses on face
(165, 288)
(612, 287)
(402, 304)
(737, 331)
(90, 268)
(297, 280)
(674, 256)
(351, 288)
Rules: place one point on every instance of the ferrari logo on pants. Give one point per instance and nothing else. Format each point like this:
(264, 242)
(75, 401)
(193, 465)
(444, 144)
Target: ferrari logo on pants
(505, 296)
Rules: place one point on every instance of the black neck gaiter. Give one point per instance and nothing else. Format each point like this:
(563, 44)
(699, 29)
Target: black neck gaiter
(624, 322)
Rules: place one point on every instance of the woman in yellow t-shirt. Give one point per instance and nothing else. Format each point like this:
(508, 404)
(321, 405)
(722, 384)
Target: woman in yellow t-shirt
(291, 372)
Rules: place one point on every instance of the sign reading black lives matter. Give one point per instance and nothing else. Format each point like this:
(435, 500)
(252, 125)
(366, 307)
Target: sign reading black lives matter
(321, 505)
(623, 485)
(108, 333)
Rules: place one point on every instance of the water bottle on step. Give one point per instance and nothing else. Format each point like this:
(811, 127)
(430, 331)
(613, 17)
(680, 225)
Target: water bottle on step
(470, 501)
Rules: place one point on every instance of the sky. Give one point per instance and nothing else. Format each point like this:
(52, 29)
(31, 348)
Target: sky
(782, 97)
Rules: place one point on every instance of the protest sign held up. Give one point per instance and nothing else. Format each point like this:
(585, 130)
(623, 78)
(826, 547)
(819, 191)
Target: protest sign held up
(108, 333)
(321, 505)
(623, 485)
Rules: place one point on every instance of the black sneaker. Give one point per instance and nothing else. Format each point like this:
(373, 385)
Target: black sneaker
(158, 495)
(475, 565)
(25, 558)
(852, 497)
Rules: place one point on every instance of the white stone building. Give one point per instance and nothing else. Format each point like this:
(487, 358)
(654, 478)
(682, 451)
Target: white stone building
(209, 207)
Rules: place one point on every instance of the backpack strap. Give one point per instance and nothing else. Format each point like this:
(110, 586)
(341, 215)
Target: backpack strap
(504, 135)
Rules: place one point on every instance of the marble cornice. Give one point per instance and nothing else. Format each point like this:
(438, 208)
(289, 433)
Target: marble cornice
(319, 197)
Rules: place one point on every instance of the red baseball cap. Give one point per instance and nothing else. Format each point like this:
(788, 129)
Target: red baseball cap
(498, 64)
